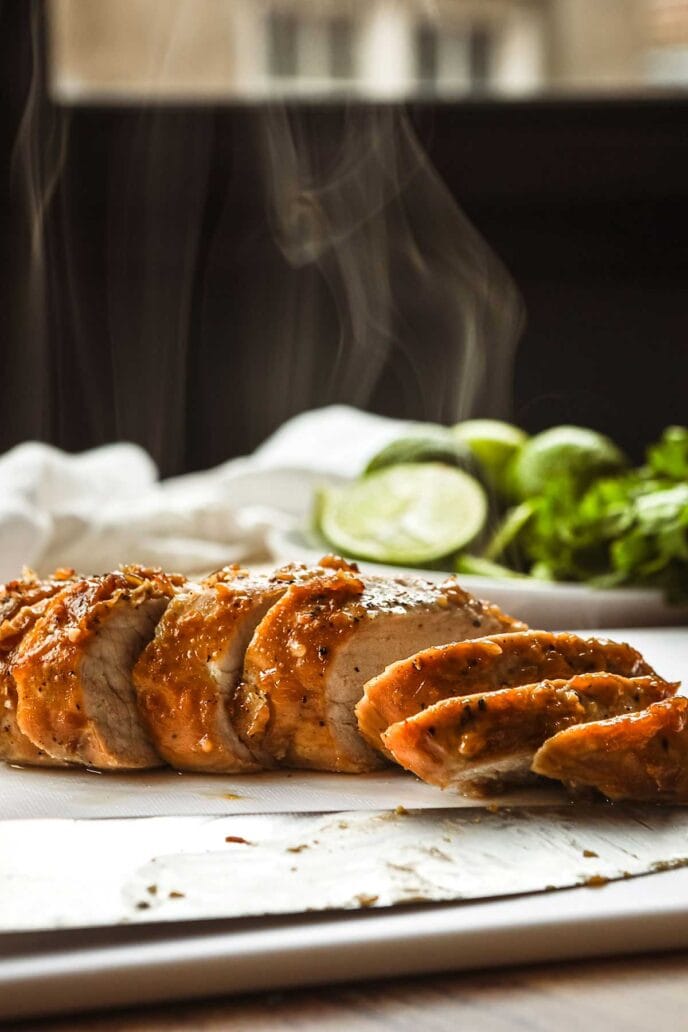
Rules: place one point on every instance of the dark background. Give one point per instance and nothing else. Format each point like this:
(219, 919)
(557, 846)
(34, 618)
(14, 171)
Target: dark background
(585, 200)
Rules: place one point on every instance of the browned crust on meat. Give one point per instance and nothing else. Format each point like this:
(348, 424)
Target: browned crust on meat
(641, 756)
(178, 698)
(18, 596)
(456, 741)
(22, 603)
(485, 664)
(46, 667)
(178, 695)
(281, 709)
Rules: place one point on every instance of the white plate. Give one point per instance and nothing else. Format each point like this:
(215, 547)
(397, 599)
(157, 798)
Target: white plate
(549, 606)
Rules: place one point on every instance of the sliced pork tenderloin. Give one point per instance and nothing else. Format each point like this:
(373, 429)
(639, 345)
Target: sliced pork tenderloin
(482, 743)
(186, 676)
(315, 648)
(486, 664)
(22, 603)
(75, 697)
(640, 756)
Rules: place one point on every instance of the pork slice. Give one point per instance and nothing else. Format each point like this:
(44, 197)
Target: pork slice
(72, 670)
(486, 664)
(186, 676)
(314, 650)
(22, 603)
(640, 756)
(481, 743)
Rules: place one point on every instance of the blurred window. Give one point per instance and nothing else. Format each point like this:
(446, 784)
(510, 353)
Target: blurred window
(283, 42)
(341, 48)
(480, 53)
(249, 49)
(666, 59)
(426, 55)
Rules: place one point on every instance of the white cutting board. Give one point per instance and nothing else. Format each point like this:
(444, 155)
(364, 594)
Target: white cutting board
(63, 971)
(89, 970)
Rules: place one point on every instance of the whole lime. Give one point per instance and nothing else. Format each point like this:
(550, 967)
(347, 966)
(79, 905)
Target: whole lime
(494, 445)
(428, 442)
(573, 452)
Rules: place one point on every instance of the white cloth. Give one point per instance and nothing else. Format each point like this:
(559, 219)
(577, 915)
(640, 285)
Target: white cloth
(107, 506)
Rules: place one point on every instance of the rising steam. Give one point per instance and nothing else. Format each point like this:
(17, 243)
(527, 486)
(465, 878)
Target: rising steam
(338, 269)
(413, 282)
(37, 163)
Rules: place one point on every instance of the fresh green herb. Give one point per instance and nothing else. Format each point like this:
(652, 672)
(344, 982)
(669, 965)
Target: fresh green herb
(631, 528)
(669, 457)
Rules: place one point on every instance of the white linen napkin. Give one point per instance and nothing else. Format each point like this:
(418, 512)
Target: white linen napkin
(106, 506)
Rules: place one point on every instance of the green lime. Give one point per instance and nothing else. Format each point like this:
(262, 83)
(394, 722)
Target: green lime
(316, 509)
(410, 514)
(494, 445)
(429, 443)
(563, 451)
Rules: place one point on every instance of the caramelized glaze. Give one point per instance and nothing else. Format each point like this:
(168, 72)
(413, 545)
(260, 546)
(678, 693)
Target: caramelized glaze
(177, 686)
(458, 739)
(282, 700)
(282, 709)
(641, 756)
(22, 603)
(486, 664)
(46, 667)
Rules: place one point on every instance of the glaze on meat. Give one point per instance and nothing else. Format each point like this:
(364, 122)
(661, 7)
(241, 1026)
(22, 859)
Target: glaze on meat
(314, 650)
(72, 669)
(487, 664)
(480, 743)
(641, 756)
(22, 603)
(187, 675)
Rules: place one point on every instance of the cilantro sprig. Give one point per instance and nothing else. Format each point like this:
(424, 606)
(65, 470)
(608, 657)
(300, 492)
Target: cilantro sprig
(626, 528)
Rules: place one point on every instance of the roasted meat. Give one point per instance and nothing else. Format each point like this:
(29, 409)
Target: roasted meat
(487, 664)
(325, 668)
(22, 603)
(186, 676)
(480, 743)
(315, 648)
(72, 669)
(641, 756)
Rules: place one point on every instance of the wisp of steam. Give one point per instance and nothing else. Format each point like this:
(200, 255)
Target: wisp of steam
(376, 290)
(37, 163)
(415, 286)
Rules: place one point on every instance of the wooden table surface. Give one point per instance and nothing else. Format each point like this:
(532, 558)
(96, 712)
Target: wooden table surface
(634, 994)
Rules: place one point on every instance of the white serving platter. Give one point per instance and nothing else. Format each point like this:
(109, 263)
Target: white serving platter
(548, 606)
(49, 972)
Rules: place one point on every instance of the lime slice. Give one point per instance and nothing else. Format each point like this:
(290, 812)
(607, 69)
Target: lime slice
(494, 445)
(571, 451)
(428, 444)
(410, 514)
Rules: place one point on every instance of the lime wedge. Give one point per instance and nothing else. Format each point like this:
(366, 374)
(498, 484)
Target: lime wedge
(410, 514)
(494, 445)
